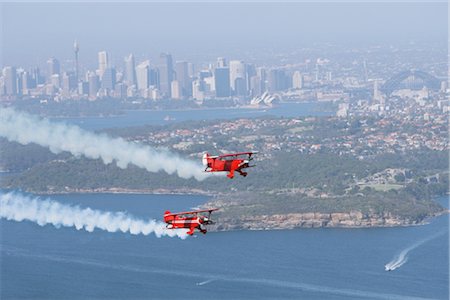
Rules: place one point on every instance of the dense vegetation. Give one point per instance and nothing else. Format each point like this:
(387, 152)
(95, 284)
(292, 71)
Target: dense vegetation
(401, 204)
(324, 171)
(290, 181)
(288, 177)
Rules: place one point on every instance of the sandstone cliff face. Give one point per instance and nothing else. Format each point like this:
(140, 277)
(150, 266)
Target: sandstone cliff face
(353, 219)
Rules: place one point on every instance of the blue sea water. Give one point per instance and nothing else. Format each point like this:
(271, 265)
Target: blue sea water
(50, 263)
(161, 117)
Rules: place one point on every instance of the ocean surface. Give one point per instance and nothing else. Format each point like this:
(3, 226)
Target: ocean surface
(162, 117)
(44, 262)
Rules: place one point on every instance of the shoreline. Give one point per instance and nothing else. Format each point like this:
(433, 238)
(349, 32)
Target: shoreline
(195, 192)
(123, 112)
(310, 220)
(317, 223)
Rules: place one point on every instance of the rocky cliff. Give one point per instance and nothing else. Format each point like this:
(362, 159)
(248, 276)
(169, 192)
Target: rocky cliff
(353, 219)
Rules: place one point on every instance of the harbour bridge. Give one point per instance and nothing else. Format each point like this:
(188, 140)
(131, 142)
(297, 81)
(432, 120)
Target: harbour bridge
(412, 79)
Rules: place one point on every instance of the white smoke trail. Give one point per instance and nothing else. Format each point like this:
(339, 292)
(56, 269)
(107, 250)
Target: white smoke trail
(58, 137)
(402, 257)
(20, 208)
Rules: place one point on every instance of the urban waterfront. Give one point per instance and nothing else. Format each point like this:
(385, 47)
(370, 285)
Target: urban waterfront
(330, 120)
(165, 117)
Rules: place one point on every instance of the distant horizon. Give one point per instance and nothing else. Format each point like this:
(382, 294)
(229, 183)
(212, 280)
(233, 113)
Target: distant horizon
(89, 61)
(33, 32)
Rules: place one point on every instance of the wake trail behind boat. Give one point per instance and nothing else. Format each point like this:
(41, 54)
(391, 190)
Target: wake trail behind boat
(205, 282)
(402, 257)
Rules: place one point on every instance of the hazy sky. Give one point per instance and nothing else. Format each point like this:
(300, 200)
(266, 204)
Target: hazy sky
(32, 32)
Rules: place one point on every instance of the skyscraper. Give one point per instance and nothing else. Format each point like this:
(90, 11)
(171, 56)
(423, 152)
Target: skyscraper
(176, 90)
(76, 49)
(83, 88)
(55, 80)
(261, 73)
(69, 82)
(109, 79)
(250, 71)
(272, 80)
(165, 74)
(130, 71)
(103, 62)
(278, 80)
(183, 78)
(53, 67)
(255, 86)
(25, 82)
(10, 78)
(197, 90)
(237, 71)
(222, 82)
(221, 62)
(93, 84)
(19, 78)
(240, 87)
(142, 75)
(36, 78)
(153, 78)
(191, 70)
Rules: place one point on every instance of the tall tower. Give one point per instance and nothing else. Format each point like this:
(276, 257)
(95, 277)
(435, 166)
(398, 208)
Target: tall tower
(53, 67)
(102, 62)
(165, 74)
(142, 75)
(183, 78)
(222, 81)
(109, 79)
(273, 81)
(237, 72)
(10, 80)
(76, 48)
(94, 85)
(130, 71)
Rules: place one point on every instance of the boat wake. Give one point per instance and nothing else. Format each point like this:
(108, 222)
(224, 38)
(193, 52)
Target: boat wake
(205, 282)
(400, 259)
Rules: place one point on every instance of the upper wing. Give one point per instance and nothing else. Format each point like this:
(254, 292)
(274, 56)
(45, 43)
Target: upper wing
(206, 210)
(238, 154)
(191, 212)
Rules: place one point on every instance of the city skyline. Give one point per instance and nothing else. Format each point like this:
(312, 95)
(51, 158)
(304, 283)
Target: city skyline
(215, 29)
(168, 78)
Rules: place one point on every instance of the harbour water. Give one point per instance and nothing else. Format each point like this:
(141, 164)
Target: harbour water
(161, 117)
(64, 263)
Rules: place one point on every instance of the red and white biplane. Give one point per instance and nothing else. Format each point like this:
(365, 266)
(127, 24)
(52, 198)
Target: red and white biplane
(228, 163)
(197, 219)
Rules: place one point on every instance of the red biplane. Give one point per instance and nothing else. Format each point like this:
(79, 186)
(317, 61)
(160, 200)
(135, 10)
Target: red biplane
(197, 219)
(228, 163)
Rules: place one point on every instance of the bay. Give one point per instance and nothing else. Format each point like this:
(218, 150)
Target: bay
(64, 263)
(161, 117)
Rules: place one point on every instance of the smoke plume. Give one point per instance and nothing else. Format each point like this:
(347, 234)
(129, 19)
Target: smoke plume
(58, 137)
(20, 208)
